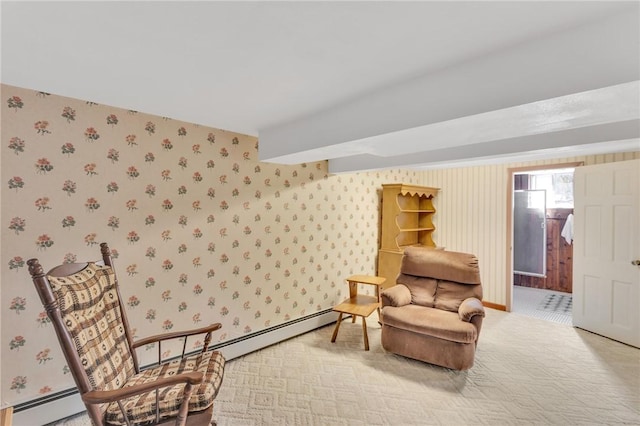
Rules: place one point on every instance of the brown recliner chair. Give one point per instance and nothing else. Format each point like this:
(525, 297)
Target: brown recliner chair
(434, 313)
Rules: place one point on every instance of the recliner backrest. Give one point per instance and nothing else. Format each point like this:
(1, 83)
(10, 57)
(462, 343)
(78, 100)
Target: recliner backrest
(422, 289)
(439, 278)
(449, 294)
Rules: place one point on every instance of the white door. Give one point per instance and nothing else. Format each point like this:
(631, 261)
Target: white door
(606, 287)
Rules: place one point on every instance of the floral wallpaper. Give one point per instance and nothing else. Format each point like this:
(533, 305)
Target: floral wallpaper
(201, 231)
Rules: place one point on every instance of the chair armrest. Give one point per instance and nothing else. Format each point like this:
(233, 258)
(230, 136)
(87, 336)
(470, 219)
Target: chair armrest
(469, 308)
(398, 295)
(176, 334)
(101, 397)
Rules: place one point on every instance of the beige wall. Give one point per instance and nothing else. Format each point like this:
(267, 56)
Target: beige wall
(280, 251)
(472, 214)
(252, 245)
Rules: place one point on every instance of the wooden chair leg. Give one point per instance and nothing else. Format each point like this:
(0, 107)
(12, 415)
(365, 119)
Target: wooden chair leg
(335, 330)
(6, 416)
(364, 333)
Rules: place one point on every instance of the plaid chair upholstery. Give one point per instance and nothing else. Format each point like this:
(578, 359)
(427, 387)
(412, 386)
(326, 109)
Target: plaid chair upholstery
(143, 408)
(90, 310)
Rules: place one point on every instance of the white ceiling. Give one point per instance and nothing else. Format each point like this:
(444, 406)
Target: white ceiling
(367, 85)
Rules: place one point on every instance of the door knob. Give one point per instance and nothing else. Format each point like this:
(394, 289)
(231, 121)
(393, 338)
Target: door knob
(635, 262)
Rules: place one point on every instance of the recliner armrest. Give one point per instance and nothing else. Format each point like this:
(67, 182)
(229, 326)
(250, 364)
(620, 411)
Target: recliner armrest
(398, 295)
(469, 308)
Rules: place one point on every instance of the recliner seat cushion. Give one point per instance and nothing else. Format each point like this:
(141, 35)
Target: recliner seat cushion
(430, 321)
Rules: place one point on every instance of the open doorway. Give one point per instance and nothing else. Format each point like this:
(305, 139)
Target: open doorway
(540, 272)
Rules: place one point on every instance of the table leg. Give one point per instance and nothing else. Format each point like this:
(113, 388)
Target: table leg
(379, 304)
(335, 330)
(6, 415)
(364, 332)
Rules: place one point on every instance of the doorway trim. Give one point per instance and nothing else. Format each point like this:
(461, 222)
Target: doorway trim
(509, 260)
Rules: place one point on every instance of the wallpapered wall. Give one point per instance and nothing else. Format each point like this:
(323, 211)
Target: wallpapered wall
(201, 231)
(472, 214)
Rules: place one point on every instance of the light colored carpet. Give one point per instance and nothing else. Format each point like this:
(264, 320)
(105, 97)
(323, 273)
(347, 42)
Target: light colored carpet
(527, 371)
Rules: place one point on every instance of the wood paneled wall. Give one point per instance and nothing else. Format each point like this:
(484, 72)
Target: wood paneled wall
(471, 215)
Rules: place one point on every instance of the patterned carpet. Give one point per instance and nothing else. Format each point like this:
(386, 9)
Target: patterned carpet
(527, 301)
(557, 303)
(527, 371)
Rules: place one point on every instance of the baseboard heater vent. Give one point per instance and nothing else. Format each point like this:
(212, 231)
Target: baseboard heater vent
(56, 406)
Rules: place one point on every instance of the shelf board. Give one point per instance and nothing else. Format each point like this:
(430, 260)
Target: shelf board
(401, 248)
(431, 228)
(417, 211)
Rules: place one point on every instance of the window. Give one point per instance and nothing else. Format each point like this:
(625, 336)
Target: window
(558, 184)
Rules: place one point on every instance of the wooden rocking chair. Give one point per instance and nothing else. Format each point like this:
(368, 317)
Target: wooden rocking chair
(84, 305)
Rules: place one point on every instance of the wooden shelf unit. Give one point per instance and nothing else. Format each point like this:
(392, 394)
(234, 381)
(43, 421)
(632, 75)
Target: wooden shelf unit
(407, 220)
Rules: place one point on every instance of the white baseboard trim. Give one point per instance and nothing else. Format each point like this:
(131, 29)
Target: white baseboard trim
(67, 403)
(42, 412)
(255, 341)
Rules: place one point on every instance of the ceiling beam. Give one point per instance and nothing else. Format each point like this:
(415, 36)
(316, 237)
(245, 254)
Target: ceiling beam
(612, 137)
(591, 56)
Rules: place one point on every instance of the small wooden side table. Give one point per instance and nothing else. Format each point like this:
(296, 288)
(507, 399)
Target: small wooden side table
(359, 304)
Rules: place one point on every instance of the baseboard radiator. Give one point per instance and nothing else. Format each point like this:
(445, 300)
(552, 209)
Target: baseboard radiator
(53, 407)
